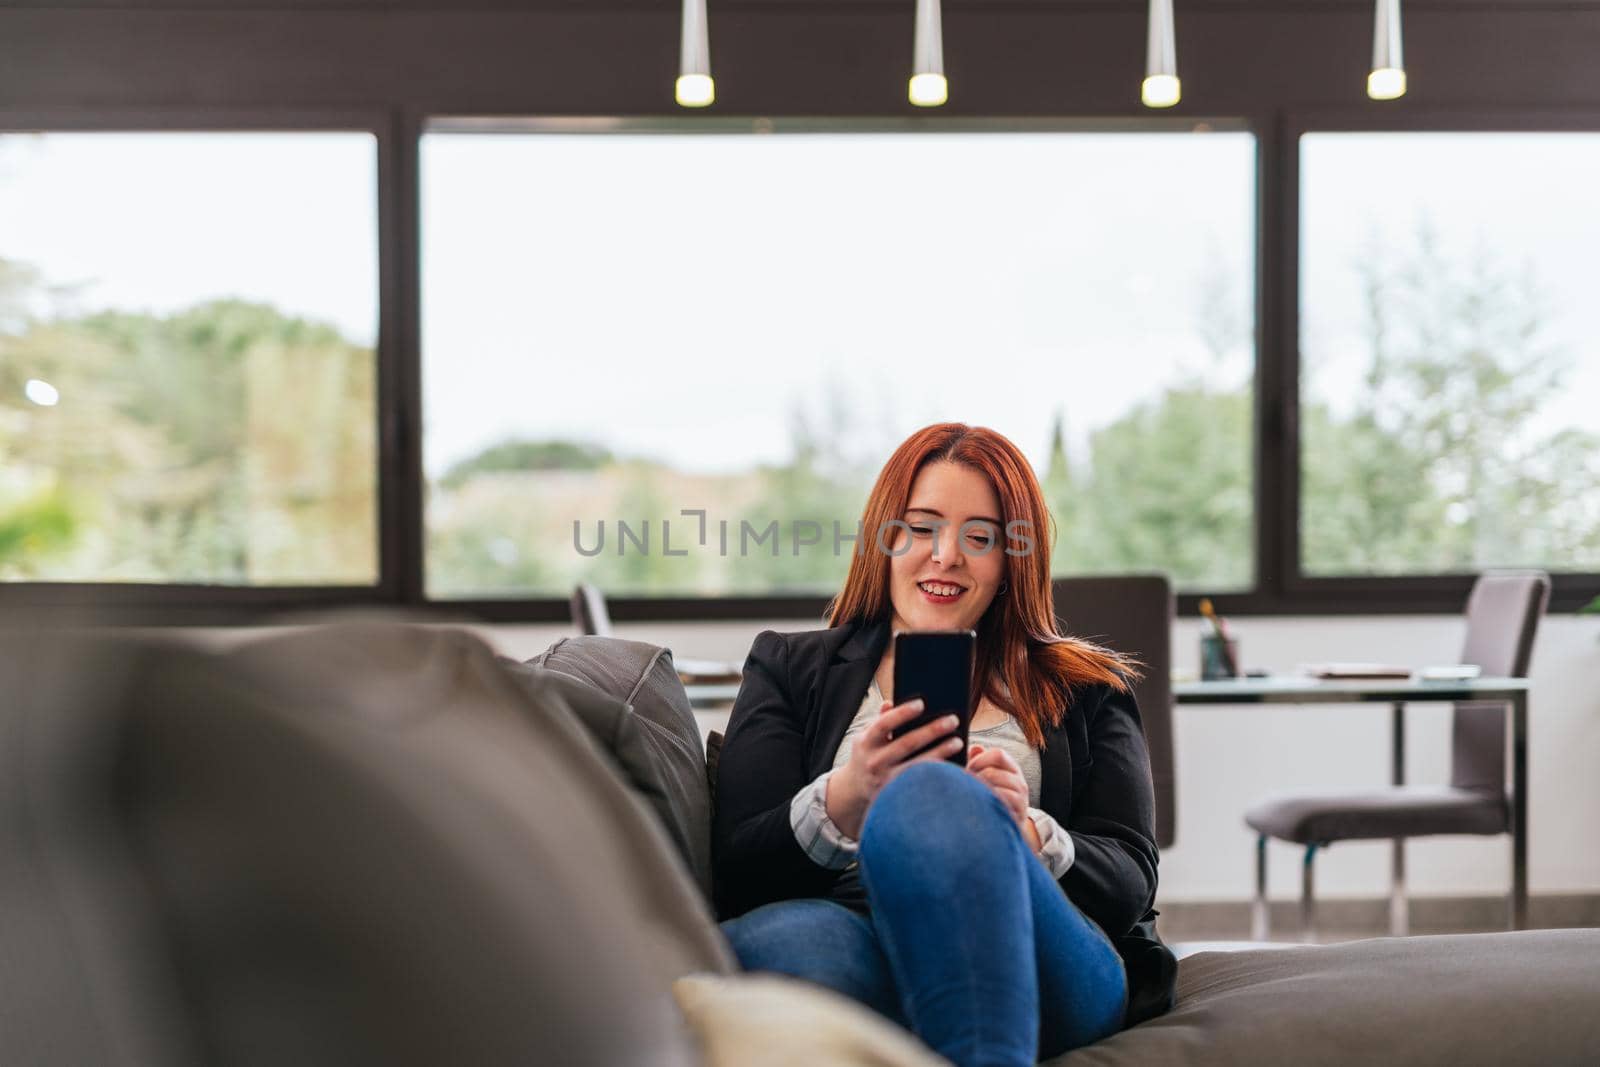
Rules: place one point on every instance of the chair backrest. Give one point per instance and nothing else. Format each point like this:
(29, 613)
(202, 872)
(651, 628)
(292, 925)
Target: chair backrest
(1132, 614)
(1503, 615)
(589, 613)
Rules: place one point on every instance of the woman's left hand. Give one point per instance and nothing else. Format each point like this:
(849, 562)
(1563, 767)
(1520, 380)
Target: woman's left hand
(997, 769)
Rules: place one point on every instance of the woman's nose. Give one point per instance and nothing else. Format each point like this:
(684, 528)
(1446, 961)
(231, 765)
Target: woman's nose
(947, 546)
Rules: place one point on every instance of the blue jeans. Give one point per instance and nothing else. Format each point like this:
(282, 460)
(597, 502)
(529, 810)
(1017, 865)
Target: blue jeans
(970, 943)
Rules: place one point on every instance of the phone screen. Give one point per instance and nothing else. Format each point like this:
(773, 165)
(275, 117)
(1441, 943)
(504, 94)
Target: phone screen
(936, 665)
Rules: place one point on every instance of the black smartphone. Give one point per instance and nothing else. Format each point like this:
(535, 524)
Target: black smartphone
(936, 665)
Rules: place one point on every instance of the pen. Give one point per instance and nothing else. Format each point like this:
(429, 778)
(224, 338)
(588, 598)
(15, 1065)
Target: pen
(1213, 618)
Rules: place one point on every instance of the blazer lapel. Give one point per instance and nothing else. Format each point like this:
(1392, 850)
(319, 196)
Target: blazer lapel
(1055, 773)
(845, 680)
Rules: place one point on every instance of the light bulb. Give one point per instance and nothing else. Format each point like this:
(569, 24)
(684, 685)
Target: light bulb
(1161, 90)
(696, 90)
(1386, 83)
(928, 90)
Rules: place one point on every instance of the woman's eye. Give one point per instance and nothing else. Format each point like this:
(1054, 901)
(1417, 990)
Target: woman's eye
(975, 538)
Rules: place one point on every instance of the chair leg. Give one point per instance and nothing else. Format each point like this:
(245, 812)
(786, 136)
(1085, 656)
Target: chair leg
(1259, 919)
(1399, 912)
(1511, 896)
(1308, 901)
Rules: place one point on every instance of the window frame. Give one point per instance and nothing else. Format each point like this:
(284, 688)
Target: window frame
(779, 605)
(1281, 586)
(1435, 593)
(150, 603)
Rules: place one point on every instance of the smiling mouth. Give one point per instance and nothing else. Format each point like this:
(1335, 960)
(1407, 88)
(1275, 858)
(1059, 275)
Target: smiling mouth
(941, 592)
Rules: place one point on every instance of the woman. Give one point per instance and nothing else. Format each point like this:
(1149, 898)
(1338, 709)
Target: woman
(1002, 911)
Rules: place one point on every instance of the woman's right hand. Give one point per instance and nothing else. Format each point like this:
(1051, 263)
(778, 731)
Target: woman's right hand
(875, 759)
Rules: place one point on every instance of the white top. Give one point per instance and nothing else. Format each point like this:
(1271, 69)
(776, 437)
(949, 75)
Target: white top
(829, 847)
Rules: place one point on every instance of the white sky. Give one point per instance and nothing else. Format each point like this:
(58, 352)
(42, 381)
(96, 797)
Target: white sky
(677, 295)
(1530, 199)
(156, 222)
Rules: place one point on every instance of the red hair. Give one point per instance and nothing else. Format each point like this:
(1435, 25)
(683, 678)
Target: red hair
(1019, 640)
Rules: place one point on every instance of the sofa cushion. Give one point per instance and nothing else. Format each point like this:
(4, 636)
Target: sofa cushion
(360, 844)
(772, 1020)
(1524, 997)
(628, 695)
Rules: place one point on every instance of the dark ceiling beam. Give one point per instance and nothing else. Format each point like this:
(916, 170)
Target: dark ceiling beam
(1234, 60)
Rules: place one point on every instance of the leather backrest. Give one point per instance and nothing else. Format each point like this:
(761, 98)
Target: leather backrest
(1132, 614)
(589, 612)
(1503, 613)
(642, 719)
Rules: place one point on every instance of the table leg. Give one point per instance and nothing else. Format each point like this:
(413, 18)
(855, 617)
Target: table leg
(1399, 917)
(1519, 812)
(1397, 742)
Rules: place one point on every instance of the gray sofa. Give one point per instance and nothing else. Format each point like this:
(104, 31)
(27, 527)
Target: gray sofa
(382, 843)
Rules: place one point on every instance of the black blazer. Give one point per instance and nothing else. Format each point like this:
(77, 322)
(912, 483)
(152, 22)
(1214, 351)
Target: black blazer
(799, 695)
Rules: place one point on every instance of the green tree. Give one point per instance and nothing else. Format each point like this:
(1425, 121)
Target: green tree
(226, 442)
(33, 529)
(1062, 496)
(1168, 485)
(1170, 489)
(520, 454)
(824, 482)
(1443, 462)
(637, 565)
(493, 555)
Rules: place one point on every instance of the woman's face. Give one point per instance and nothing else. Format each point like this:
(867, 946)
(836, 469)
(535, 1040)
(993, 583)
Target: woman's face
(942, 555)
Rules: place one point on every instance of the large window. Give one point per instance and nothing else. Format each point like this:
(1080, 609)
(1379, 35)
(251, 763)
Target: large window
(1450, 352)
(187, 373)
(621, 326)
(721, 327)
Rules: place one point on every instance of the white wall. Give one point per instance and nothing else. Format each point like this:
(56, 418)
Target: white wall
(1230, 757)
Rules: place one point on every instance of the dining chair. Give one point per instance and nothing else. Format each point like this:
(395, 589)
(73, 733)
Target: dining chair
(589, 612)
(1132, 614)
(1503, 613)
(592, 617)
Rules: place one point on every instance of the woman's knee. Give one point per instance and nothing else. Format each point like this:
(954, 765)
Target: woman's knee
(928, 802)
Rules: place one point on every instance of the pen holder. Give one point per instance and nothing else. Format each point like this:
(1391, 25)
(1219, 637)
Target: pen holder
(1218, 658)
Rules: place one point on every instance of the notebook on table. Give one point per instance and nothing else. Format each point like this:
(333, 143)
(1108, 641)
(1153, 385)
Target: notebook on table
(1451, 672)
(707, 670)
(1356, 670)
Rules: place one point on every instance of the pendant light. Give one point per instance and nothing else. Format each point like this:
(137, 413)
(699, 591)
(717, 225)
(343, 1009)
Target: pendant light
(1161, 88)
(695, 87)
(1387, 81)
(928, 87)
